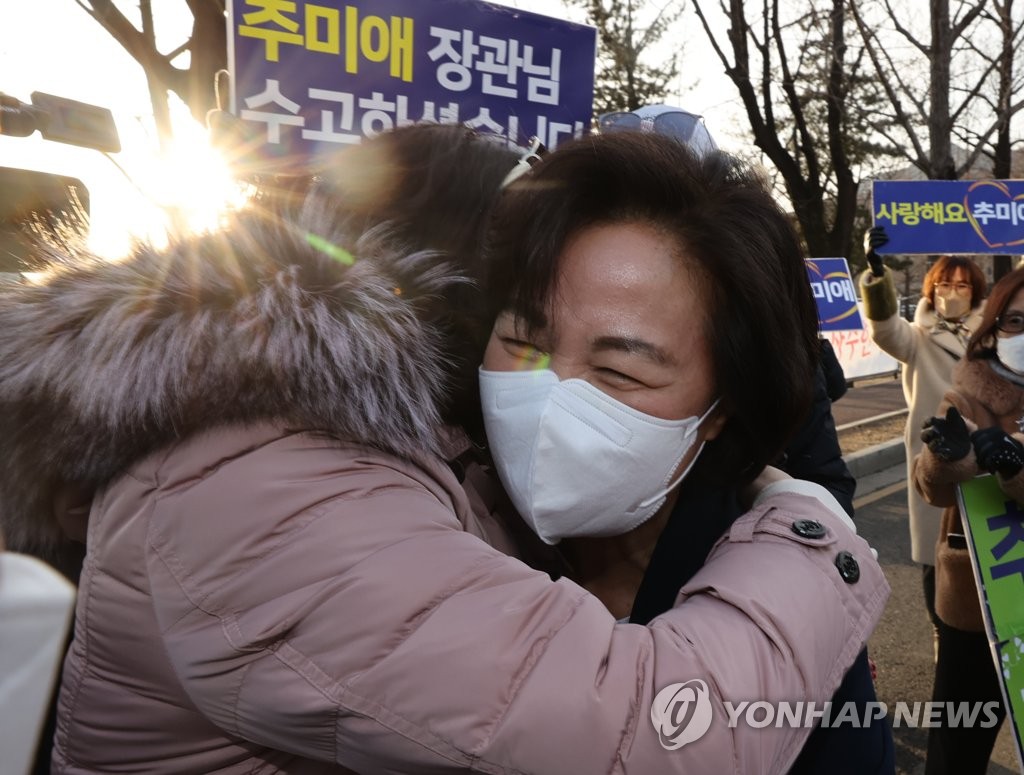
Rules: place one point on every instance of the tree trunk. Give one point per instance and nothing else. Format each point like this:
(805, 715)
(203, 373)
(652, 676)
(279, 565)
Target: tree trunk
(209, 53)
(157, 90)
(207, 48)
(940, 124)
(1002, 160)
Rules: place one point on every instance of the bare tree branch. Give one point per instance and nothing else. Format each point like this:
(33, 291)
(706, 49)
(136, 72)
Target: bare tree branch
(894, 20)
(959, 27)
(882, 73)
(624, 81)
(796, 100)
(207, 45)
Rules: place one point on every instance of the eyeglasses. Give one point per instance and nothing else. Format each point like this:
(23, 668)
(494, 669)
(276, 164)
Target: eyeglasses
(1010, 322)
(958, 287)
(676, 123)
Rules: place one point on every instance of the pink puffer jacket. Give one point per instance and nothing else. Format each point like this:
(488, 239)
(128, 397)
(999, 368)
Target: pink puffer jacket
(264, 601)
(258, 597)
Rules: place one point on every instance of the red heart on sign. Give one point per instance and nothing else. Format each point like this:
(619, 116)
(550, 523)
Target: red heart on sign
(981, 195)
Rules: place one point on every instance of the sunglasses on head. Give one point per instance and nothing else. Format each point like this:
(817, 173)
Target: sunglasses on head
(675, 123)
(527, 158)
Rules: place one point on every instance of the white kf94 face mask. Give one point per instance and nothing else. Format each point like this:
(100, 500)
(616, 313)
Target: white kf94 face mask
(575, 461)
(1010, 351)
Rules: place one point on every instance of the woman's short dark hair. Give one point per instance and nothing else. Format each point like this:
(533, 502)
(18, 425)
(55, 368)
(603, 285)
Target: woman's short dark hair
(983, 342)
(762, 325)
(944, 269)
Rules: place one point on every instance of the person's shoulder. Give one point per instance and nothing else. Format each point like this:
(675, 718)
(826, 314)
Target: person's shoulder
(977, 376)
(985, 385)
(799, 572)
(834, 383)
(274, 444)
(924, 314)
(237, 499)
(271, 478)
(795, 535)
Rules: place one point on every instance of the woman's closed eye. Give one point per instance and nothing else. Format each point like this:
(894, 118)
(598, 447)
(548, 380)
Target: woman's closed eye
(618, 379)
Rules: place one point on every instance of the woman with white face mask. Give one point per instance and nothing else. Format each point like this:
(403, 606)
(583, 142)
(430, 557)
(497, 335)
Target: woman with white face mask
(978, 430)
(295, 563)
(952, 301)
(641, 372)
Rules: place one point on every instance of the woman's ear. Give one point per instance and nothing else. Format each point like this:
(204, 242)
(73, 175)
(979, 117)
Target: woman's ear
(714, 424)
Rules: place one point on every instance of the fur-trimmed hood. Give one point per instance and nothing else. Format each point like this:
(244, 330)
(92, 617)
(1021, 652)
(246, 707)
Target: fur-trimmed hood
(296, 319)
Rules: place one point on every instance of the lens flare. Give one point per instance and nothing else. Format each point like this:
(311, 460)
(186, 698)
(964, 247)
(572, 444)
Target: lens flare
(189, 181)
(334, 251)
(533, 359)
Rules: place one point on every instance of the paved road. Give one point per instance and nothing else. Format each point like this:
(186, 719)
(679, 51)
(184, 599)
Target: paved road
(868, 399)
(902, 644)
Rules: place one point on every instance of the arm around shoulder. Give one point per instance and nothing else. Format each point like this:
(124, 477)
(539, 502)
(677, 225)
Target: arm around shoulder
(807, 591)
(381, 636)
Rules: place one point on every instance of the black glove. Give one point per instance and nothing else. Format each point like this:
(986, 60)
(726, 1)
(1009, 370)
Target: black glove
(875, 237)
(947, 439)
(998, 452)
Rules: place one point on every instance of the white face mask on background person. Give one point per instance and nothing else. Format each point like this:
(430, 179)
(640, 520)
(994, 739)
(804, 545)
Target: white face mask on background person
(575, 461)
(952, 307)
(1010, 351)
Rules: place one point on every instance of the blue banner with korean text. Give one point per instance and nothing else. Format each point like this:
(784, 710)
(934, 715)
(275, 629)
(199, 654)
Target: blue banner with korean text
(834, 293)
(950, 216)
(314, 76)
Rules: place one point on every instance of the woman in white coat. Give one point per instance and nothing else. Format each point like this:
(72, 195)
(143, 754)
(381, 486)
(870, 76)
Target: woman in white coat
(952, 298)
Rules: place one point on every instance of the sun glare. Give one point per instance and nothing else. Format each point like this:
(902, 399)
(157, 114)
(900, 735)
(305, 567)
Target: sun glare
(190, 182)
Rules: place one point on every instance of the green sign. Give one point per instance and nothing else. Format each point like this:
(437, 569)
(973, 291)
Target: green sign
(994, 527)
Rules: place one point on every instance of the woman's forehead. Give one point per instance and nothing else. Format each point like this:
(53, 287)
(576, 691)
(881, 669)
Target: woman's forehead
(956, 274)
(1016, 301)
(626, 282)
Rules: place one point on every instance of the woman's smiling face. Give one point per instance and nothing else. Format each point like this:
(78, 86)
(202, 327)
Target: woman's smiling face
(628, 316)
